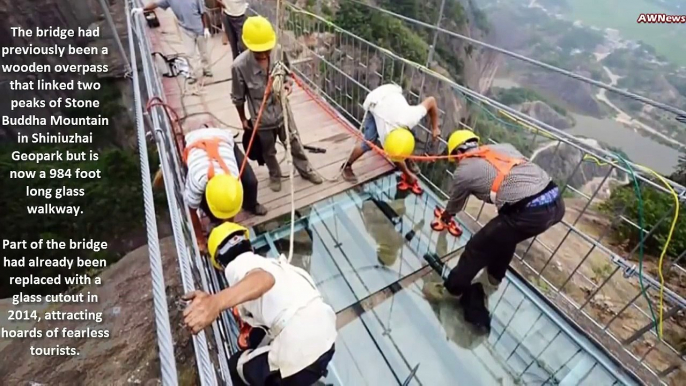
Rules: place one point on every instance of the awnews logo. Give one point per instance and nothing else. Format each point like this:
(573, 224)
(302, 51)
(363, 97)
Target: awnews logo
(660, 18)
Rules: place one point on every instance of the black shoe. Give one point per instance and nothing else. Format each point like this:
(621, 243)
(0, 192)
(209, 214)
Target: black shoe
(474, 307)
(259, 210)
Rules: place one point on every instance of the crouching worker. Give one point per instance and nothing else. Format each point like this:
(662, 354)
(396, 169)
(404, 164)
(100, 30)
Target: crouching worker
(273, 295)
(212, 182)
(528, 203)
(388, 123)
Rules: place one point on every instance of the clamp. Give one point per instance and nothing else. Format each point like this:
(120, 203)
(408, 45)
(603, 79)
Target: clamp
(439, 225)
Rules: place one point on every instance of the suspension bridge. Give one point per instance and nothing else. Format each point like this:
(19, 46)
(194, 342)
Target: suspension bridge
(388, 333)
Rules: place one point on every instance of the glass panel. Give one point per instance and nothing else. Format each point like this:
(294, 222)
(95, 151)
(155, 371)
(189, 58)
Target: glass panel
(370, 239)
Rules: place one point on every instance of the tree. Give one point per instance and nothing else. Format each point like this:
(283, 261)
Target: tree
(656, 204)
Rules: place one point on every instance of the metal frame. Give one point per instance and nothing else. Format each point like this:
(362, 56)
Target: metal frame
(341, 68)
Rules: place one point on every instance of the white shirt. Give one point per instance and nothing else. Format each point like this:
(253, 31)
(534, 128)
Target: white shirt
(198, 162)
(294, 304)
(235, 7)
(390, 110)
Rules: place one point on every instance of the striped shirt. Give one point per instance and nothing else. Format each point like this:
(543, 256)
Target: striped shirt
(475, 176)
(198, 162)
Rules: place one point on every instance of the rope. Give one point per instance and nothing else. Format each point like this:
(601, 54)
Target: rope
(279, 74)
(681, 115)
(267, 92)
(665, 247)
(545, 128)
(637, 192)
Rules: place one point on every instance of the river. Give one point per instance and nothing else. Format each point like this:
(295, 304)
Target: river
(639, 148)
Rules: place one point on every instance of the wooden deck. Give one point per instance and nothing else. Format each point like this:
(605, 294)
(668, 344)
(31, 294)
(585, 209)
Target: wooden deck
(318, 126)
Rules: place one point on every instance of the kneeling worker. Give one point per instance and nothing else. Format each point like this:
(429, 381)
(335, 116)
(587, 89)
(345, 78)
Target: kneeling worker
(270, 294)
(528, 203)
(212, 183)
(389, 121)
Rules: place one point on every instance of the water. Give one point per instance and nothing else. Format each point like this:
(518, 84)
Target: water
(635, 144)
(368, 239)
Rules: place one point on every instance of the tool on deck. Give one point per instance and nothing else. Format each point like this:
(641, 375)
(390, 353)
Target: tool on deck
(439, 225)
(313, 149)
(403, 185)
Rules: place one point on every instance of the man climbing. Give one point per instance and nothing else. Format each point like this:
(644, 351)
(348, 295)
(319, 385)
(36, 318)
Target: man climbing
(528, 203)
(273, 295)
(388, 117)
(195, 29)
(250, 75)
(233, 18)
(212, 182)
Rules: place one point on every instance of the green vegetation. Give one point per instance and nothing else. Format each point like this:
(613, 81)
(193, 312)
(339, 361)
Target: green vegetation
(622, 15)
(518, 95)
(112, 205)
(656, 204)
(383, 30)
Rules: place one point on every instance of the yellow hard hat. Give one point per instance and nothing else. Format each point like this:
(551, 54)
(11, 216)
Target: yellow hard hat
(258, 34)
(224, 195)
(459, 137)
(399, 144)
(219, 234)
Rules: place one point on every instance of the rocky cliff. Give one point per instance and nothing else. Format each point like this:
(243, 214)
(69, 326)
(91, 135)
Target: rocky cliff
(543, 112)
(342, 62)
(560, 163)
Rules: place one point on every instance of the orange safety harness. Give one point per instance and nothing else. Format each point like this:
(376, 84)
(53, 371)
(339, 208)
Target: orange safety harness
(211, 147)
(502, 163)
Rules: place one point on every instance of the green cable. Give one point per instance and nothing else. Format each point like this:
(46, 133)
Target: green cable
(637, 191)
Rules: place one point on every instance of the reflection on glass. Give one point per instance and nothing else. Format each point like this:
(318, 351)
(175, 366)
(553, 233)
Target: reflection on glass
(364, 240)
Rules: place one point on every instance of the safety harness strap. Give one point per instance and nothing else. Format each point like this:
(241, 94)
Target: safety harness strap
(502, 163)
(211, 147)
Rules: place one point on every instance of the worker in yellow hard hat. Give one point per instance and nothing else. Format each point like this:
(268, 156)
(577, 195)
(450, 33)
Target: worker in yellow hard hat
(213, 183)
(250, 75)
(528, 203)
(273, 295)
(389, 122)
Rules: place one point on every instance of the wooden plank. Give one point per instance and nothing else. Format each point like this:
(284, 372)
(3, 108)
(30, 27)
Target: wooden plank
(266, 195)
(316, 125)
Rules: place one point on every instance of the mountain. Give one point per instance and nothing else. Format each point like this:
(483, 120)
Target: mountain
(560, 162)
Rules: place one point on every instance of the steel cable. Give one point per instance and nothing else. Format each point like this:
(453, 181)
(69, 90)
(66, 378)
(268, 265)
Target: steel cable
(164, 336)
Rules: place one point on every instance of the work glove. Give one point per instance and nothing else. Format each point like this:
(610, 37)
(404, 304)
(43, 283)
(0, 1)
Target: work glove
(207, 33)
(136, 11)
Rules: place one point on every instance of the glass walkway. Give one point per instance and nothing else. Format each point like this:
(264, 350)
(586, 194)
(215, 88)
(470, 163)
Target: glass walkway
(377, 241)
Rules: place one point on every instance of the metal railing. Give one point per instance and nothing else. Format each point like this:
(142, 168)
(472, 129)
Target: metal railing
(574, 265)
(577, 264)
(212, 362)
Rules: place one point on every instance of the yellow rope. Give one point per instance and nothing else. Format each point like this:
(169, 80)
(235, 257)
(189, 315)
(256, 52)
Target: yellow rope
(664, 248)
(548, 135)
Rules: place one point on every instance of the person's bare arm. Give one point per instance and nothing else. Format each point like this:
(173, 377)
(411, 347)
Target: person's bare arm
(432, 110)
(205, 20)
(150, 6)
(221, 4)
(205, 308)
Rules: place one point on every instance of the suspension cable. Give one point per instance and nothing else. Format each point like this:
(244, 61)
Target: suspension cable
(680, 113)
(164, 336)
